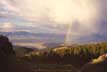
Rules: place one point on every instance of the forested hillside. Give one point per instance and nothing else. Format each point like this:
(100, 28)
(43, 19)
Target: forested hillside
(77, 55)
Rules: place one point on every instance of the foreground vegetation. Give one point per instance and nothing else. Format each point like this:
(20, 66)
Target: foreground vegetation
(77, 55)
(58, 59)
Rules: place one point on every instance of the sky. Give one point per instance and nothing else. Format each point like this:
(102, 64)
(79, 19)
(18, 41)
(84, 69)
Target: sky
(77, 17)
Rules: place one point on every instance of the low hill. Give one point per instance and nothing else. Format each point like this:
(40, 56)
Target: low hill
(21, 51)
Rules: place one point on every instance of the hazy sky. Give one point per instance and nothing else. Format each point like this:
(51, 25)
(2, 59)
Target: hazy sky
(85, 16)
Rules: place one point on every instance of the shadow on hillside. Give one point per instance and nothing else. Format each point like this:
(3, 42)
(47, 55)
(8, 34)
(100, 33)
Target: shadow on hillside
(8, 60)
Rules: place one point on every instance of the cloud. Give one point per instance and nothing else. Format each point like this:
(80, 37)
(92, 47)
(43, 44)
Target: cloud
(102, 23)
(8, 9)
(47, 12)
(8, 5)
(60, 11)
(87, 17)
(57, 10)
(6, 27)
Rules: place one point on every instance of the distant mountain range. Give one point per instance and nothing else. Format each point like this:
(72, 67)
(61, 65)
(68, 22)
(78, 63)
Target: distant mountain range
(48, 40)
(93, 38)
(37, 40)
(24, 33)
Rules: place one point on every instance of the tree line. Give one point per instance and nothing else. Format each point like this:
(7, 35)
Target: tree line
(77, 55)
